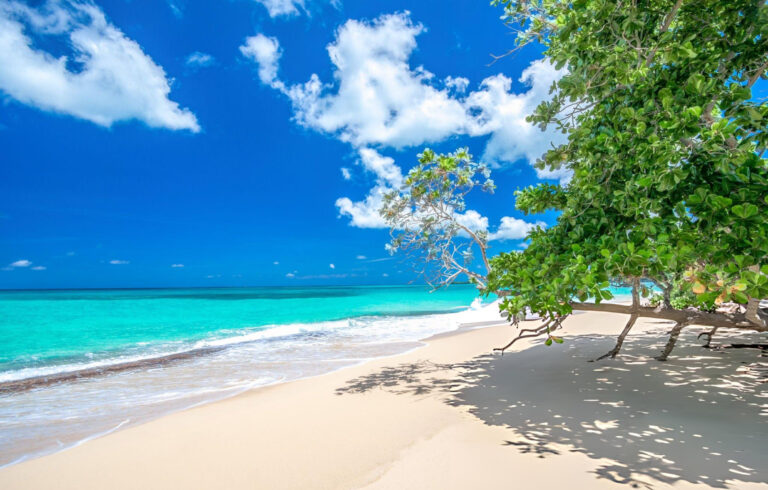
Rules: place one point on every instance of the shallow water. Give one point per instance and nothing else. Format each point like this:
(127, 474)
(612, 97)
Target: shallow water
(221, 342)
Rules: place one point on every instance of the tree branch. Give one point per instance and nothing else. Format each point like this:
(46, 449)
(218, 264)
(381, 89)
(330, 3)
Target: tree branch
(691, 316)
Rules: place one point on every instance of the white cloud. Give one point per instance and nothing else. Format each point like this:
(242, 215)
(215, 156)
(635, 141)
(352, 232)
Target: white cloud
(280, 8)
(501, 113)
(513, 229)
(472, 220)
(385, 275)
(365, 213)
(275, 263)
(114, 79)
(199, 60)
(20, 263)
(265, 52)
(290, 275)
(332, 266)
(289, 8)
(39, 268)
(361, 257)
(378, 98)
(459, 84)
(177, 266)
(119, 262)
(383, 167)
(345, 173)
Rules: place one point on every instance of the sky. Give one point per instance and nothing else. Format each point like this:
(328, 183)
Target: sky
(247, 142)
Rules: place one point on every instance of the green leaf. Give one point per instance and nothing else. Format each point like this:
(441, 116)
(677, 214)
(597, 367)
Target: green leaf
(645, 181)
(739, 297)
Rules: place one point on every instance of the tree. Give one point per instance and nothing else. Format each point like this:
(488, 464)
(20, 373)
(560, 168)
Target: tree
(666, 146)
(426, 218)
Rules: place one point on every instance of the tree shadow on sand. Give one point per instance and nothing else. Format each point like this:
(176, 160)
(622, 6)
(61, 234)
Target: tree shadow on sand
(701, 417)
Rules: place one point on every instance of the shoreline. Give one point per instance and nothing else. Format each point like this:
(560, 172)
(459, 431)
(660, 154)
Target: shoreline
(412, 420)
(150, 414)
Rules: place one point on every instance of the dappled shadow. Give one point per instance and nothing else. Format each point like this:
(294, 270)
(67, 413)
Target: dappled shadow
(418, 378)
(701, 417)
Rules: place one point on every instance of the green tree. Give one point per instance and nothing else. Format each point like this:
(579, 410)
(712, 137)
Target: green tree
(666, 146)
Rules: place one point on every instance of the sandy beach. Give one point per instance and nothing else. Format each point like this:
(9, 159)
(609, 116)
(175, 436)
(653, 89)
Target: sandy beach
(453, 415)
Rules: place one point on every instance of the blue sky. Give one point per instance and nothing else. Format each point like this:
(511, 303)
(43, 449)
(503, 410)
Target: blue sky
(240, 142)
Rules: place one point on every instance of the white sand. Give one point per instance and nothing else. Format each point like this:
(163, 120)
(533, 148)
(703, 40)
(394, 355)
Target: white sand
(450, 415)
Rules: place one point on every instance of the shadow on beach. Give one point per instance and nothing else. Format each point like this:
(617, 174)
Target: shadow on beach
(701, 417)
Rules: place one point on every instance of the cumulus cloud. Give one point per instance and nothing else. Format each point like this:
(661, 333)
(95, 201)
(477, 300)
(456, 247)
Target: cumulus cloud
(361, 257)
(276, 263)
(501, 113)
(331, 266)
(108, 78)
(472, 220)
(199, 60)
(177, 266)
(365, 213)
(290, 275)
(39, 268)
(377, 98)
(513, 229)
(265, 52)
(119, 262)
(345, 173)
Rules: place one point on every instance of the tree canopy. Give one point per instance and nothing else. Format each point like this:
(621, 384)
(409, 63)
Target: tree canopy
(666, 147)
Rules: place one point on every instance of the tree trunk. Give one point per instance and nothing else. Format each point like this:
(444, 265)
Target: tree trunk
(614, 352)
(673, 335)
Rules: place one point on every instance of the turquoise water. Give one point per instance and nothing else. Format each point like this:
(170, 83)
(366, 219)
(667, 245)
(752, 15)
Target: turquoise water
(230, 340)
(48, 328)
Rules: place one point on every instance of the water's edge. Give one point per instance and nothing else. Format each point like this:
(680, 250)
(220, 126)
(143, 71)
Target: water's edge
(41, 382)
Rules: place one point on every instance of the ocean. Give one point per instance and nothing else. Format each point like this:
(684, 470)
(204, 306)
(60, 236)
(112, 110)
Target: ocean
(76, 364)
(79, 363)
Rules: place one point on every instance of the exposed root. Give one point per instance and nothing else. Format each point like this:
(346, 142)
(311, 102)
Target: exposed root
(673, 335)
(613, 352)
(709, 336)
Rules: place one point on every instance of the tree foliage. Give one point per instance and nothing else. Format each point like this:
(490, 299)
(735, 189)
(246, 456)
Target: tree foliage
(666, 147)
(665, 143)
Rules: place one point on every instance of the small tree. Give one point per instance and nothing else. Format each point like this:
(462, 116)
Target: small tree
(427, 223)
